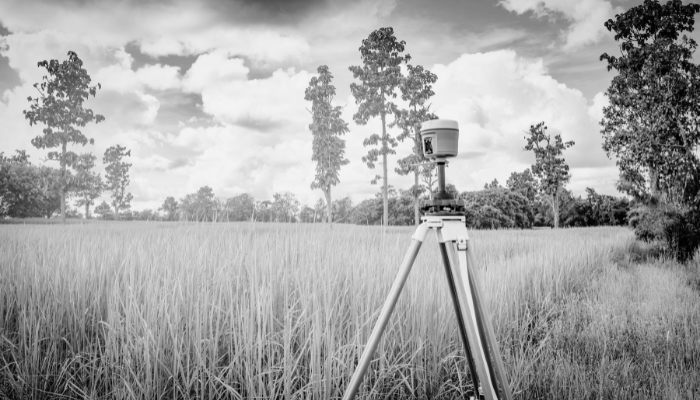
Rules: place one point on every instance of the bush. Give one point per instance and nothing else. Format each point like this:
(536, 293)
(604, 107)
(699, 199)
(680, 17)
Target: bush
(677, 228)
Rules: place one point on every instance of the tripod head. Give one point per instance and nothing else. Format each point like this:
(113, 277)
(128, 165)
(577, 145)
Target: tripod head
(440, 139)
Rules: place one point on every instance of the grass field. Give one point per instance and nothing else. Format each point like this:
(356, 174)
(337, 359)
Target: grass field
(175, 311)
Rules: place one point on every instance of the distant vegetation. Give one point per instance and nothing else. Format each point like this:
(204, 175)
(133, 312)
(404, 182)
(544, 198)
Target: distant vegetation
(650, 126)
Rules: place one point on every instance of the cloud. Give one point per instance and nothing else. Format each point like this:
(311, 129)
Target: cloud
(266, 105)
(179, 162)
(213, 69)
(161, 28)
(159, 77)
(586, 17)
(495, 97)
(600, 100)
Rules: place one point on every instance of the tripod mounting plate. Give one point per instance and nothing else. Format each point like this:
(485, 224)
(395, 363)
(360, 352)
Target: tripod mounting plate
(451, 227)
(443, 207)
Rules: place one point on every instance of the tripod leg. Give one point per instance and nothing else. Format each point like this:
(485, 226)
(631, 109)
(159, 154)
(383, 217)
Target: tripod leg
(387, 309)
(460, 318)
(497, 368)
(475, 335)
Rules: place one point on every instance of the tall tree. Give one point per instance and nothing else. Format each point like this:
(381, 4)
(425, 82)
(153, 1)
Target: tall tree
(380, 76)
(416, 89)
(87, 185)
(60, 108)
(118, 177)
(651, 124)
(326, 127)
(550, 167)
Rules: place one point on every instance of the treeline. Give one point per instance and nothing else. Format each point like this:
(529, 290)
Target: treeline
(37, 191)
(494, 207)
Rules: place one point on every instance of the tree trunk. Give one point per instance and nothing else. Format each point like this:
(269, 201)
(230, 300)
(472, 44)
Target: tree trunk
(654, 182)
(385, 187)
(87, 208)
(416, 172)
(416, 208)
(63, 183)
(555, 208)
(116, 212)
(329, 206)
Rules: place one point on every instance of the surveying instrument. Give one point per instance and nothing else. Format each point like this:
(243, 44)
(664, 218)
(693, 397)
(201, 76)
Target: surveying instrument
(445, 215)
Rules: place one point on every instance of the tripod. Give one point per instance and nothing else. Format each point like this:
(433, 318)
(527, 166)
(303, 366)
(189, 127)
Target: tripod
(445, 216)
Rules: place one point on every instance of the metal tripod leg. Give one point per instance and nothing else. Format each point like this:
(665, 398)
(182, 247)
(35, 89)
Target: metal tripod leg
(458, 312)
(387, 309)
(463, 259)
(447, 234)
(499, 371)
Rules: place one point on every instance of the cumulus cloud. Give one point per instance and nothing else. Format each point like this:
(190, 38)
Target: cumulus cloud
(586, 17)
(495, 97)
(213, 69)
(161, 28)
(264, 105)
(159, 77)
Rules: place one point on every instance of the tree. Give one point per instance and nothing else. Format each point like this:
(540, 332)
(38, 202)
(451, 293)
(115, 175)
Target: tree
(263, 211)
(416, 88)
(205, 204)
(87, 185)
(493, 185)
(20, 158)
(103, 210)
(342, 208)
(651, 124)
(169, 207)
(60, 108)
(145, 215)
(27, 190)
(379, 77)
(497, 207)
(118, 177)
(365, 213)
(326, 127)
(242, 207)
(550, 167)
(524, 183)
(199, 206)
(284, 207)
(318, 209)
(306, 214)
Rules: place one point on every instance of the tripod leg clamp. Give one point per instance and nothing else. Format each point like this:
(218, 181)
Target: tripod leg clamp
(462, 243)
(420, 232)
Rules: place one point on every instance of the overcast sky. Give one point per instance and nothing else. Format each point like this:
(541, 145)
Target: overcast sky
(212, 92)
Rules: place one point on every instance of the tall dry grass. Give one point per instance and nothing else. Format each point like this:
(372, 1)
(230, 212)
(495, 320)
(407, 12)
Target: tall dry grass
(157, 310)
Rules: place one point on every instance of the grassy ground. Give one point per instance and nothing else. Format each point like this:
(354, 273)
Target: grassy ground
(157, 310)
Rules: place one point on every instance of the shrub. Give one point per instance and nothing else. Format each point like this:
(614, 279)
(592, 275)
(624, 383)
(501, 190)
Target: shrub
(677, 228)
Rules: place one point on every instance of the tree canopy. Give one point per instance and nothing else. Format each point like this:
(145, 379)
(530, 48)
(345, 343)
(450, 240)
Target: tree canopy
(328, 149)
(380, 76)
(60, 107)
(651, 124)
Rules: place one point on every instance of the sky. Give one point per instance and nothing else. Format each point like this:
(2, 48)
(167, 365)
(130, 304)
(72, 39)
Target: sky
(212, 92)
